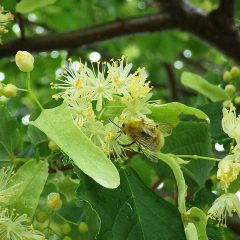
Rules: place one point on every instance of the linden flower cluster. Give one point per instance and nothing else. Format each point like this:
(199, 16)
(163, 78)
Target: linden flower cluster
(5, 17)
(90, 93)
(228, 170)
(14, 227)
(229, 167)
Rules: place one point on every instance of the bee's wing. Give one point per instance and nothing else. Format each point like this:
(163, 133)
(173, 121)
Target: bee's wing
(165, 128)
(144, 142)
(150, 155)
(145, 147)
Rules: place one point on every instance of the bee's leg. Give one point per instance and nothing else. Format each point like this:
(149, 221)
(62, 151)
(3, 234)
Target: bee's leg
(127, 145)
(118, 135)
(140, 148)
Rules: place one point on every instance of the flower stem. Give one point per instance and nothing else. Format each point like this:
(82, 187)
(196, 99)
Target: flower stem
(31, 92)
(174, 165)
(22, 89)
(197, 157)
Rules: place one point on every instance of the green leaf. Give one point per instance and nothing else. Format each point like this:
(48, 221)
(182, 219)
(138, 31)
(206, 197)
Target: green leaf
(58, 125)
(26, 6)
(194, 81)
(143, 169)
(32, 176)
(171, 112)
(192, 138)
(36, 136)
(204, 199)
(214, 111)
(9, 135)
(68, 187)
(132, 211)
(216, 233)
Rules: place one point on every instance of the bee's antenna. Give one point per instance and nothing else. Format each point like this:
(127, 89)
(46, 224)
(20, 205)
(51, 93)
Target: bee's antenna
(114, 124)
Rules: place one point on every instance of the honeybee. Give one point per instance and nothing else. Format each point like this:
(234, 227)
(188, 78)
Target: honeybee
(146, 134)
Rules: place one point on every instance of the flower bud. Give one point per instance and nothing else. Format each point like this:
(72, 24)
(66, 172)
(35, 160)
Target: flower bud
(67, 238)
(66, 228)
(52, 145)
(83, 227)
(41, 217)
(24, 61)
(230, 89)
(227, 76)
(3, 100)
(54, 201)
(10, 90)
(235, 72)
(237, 100)
(227, 103)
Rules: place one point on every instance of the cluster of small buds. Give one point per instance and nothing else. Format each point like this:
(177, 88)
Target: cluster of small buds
(230, 78)
(5, 17)
(88, 91)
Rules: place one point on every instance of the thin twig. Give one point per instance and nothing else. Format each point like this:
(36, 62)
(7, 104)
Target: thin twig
(179, 16)
(19, 20)
(173, 86)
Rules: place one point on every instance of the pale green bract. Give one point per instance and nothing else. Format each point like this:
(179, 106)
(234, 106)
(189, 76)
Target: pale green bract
(26, 6)
(199, 84)
(197, 217)
(58, 125)
(171, 112)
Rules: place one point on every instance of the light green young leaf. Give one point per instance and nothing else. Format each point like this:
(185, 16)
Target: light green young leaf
(171, 112)
(199, 84)
(199, 219)
(32, 177)
(58, 125)
(26, 6)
